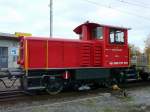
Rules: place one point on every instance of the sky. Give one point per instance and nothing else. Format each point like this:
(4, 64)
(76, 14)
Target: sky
(32, 16)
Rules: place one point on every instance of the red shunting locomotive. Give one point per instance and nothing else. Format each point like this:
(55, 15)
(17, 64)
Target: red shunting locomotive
(99, 55)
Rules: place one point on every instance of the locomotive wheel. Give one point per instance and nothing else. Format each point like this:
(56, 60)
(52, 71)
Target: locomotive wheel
(54, 86)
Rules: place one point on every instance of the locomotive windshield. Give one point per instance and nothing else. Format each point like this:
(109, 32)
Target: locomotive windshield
(116, 36)
(97, 33)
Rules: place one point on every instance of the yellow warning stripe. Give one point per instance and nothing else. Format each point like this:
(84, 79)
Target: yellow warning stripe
(26, 55)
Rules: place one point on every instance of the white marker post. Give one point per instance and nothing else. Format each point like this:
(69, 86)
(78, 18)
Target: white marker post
(51, 18)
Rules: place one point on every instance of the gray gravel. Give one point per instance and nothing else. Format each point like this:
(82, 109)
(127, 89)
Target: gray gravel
(138, 100)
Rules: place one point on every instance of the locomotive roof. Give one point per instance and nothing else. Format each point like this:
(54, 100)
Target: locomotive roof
(78, 29)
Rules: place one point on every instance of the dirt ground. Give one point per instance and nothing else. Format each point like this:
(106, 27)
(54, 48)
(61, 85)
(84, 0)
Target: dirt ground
(137, 100)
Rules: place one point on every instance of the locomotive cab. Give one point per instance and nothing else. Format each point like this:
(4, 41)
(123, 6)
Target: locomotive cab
(112, 39)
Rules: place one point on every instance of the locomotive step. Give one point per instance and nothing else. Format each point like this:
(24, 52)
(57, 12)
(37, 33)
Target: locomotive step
(36, 88)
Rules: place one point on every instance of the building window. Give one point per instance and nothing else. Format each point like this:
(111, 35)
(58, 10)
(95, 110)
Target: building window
(3, 51)
(3, 57)
(116, 36)
(98, 33)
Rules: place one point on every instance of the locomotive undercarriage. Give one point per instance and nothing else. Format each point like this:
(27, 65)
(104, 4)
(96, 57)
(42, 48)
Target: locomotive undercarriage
(54, 81)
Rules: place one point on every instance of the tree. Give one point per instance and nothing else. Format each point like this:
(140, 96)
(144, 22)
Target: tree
(134, 50)
(147, 42)
(135, 55)
(147, 49)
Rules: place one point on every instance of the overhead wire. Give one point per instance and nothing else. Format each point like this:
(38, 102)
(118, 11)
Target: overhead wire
(141, 2)
(123, 11)
(134, 4)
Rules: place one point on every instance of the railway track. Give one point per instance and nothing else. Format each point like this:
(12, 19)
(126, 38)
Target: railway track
(19, 95)
(135, 84)
(11, 95)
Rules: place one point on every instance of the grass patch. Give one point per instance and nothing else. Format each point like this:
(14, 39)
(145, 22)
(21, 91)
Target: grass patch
(108, 110)
(127, 99)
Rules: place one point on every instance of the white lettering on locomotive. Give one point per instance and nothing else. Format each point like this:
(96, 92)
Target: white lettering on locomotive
(117, 63)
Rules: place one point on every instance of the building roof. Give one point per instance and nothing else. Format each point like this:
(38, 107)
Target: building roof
(8, 36)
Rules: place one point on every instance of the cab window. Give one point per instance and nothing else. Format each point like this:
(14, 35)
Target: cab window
(98, 33)
(116, 36)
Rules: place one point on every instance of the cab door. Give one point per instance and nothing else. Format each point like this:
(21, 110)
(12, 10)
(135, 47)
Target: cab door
(116, 48)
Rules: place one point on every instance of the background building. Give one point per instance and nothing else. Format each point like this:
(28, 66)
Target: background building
(9, 44)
